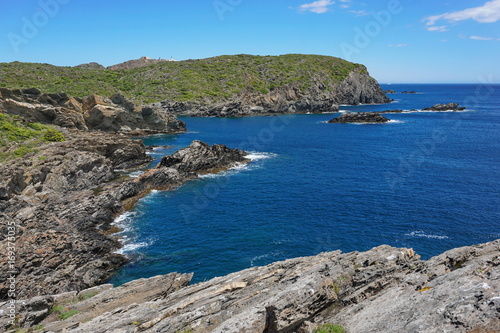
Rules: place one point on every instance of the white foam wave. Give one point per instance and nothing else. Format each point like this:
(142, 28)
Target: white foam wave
(135, 174)
(131, 247)
(264, 256)
(255, 156)
(392, 121)
(420, 233)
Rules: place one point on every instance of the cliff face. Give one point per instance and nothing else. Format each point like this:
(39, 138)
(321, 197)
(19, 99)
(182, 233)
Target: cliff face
(115, 114)
(385, 289)
(357, 88)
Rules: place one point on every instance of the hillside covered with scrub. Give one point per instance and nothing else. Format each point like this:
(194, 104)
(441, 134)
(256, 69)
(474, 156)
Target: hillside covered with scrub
(205, 81)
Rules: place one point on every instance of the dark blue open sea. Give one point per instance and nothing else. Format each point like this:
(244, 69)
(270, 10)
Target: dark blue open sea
(427, 181)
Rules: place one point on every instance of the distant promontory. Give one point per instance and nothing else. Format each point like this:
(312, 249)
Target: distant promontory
(236, 85)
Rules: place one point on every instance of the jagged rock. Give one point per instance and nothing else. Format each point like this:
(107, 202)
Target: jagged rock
(200, 156)
(445, 107)
(91, 101)
(117, 114)
(385, 289)
(44, 113)
(390, 91)
(360, 117)
(409, 92)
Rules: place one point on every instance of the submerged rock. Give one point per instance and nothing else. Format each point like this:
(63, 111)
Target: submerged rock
(360, 117)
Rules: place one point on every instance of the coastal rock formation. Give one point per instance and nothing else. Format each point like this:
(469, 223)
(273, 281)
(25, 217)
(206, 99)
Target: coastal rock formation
(385, 289)
(64, 197)
(360, 117)
(390, 91)
(201, 157)
(94, 112)
(409, 92)
(445, 107)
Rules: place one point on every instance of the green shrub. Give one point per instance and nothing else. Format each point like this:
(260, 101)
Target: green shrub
(329, 328)
(67, 314)
(52, 135)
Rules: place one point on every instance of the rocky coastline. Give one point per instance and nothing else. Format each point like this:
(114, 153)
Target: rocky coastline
(356, 88)
(63, 197)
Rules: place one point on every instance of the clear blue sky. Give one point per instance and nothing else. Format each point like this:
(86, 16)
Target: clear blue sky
(415, 41)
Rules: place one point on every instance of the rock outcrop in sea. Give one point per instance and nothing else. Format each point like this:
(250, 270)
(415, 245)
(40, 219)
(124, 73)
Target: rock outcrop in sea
(445, 107)
(359, 117)
(385, 289)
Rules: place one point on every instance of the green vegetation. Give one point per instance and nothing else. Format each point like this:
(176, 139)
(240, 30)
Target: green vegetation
(18, 138)
(204, 80)
(329, 328)
(86, 296)
(62, 312)
(51, 135)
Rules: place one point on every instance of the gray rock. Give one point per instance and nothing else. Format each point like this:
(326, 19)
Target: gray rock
(445, 107)
(360, 117)
(385, 289)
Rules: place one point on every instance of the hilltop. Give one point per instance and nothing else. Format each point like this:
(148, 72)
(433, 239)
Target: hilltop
(264, 81)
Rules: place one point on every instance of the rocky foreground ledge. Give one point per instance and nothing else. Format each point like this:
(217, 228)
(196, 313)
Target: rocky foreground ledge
(385, 289)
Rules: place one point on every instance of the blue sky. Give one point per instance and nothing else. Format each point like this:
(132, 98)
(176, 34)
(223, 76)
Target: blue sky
(424, 41)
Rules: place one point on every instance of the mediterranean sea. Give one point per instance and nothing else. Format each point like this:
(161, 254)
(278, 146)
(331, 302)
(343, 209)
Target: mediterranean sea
(427, 180)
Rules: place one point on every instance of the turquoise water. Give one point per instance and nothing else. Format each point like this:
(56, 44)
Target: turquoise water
(427, 180)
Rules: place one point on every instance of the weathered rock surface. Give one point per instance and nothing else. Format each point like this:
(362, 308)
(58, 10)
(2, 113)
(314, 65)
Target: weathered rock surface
(445, 107)
(356, 88)
(64, 198)
(360, 117)
(385, 289)
(409, 92)
(390, 91)
(115, 114)
(201, 157)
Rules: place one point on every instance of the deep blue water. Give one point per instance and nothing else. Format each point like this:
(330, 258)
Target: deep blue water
(429, 181)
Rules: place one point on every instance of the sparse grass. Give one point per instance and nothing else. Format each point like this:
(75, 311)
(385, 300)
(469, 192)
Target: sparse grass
(205, 80)
(87, 296)
(329, 328)
(67, 314)
(63, 312)
(19, 138)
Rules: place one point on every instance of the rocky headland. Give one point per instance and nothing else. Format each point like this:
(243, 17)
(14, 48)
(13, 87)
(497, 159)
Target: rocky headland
(360, 118)
(224, 86)
(385, 289)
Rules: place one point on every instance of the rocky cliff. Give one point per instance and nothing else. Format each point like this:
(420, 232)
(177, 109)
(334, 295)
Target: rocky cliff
(356, 88)
(385, 289)
(115, 114)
